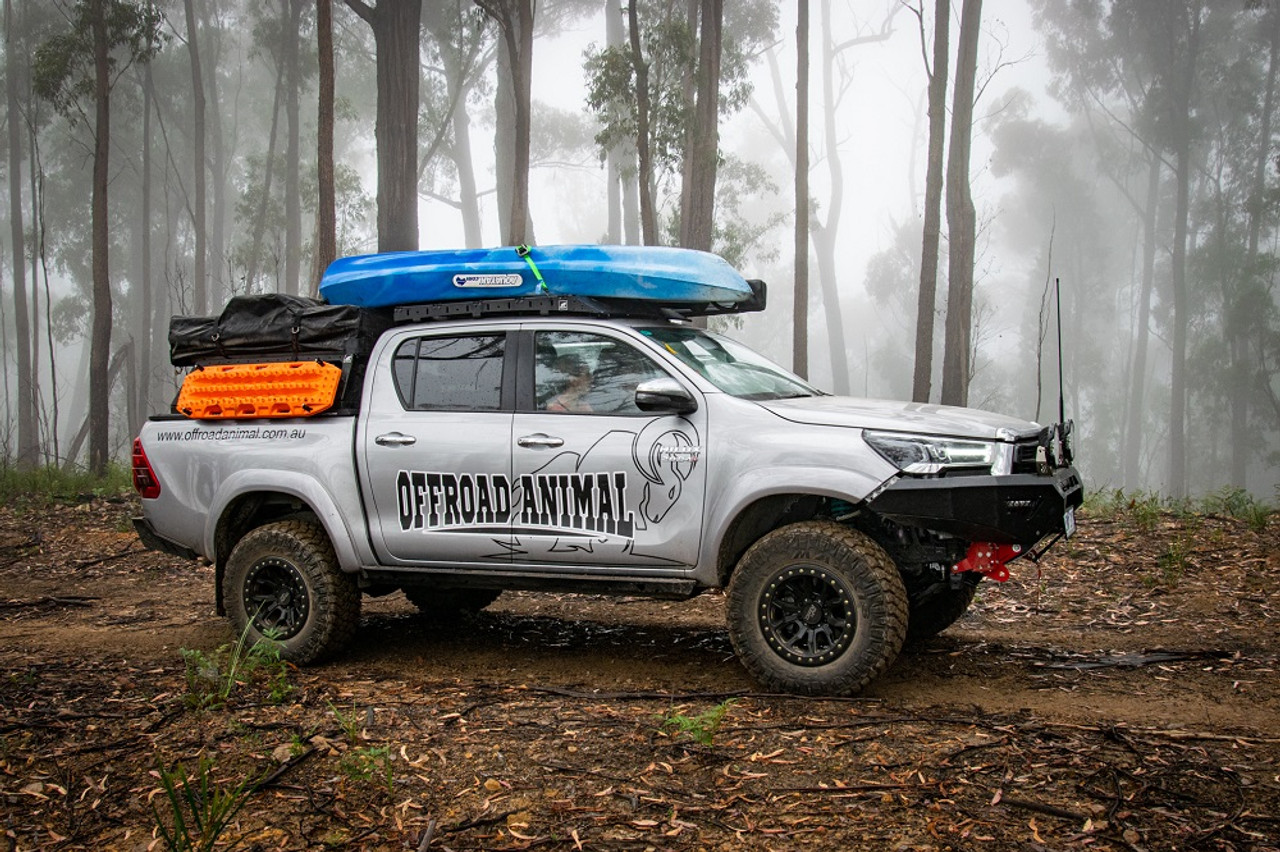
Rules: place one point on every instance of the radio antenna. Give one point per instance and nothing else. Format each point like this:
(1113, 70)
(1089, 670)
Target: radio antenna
(1062, 393)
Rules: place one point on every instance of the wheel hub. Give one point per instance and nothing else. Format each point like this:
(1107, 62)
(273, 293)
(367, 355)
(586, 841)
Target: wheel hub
(275, 596)
(807, 615)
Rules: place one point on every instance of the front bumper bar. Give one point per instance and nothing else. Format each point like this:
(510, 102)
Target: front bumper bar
(1020, 508)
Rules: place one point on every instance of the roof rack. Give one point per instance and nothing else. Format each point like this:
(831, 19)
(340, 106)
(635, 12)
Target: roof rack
(580, 306)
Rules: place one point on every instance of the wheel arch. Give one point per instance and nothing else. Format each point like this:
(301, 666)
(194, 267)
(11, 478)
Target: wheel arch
(245, 503)
(763, 515)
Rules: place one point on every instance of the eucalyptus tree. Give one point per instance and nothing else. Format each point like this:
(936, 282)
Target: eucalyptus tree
(82, 63)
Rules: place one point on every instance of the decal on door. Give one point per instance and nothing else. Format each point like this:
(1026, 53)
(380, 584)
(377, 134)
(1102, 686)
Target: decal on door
(568, 504)
(589, 502)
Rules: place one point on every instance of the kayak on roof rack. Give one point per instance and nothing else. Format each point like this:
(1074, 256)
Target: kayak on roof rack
(660, 274)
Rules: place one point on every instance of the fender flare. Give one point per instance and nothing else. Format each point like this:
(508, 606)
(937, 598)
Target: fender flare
(351, 556)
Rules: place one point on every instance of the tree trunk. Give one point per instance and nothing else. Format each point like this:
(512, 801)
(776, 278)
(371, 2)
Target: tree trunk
(396, 25)
(100, 341)
(648, 215)
(1182, 162)
(825, 235)
(292, 151)
(1138, 379)
(515, 23)
(926, 304)
(147, 297)
(698, 190)
(200, 280)
(961, 219)
(326, 215)
(800, 303)
(259, 225)
(218, 167)
(614, 158)
(1239, 326)
(28, 440)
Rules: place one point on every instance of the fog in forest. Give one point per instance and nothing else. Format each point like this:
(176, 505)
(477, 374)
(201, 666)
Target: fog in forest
(1124, 148)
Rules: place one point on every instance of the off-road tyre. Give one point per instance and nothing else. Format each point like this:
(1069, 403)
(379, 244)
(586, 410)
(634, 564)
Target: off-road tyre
(284, 578)
(816, 608)
(444, 604)
(933, 611)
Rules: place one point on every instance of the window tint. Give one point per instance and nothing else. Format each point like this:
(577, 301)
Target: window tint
(450, 373)
(589, 373)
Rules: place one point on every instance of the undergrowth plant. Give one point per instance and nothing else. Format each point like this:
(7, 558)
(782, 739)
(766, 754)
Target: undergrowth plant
(701, 728)
(213, 678)
(199, 809)
(50, 484)
(369, 763)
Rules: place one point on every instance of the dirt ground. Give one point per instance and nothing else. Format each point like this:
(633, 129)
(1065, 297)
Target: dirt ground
(1123, 695)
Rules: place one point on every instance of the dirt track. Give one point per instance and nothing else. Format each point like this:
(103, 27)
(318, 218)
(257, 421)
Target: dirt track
(1128, 698)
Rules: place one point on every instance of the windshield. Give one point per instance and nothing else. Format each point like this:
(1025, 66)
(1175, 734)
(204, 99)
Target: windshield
(730, 366)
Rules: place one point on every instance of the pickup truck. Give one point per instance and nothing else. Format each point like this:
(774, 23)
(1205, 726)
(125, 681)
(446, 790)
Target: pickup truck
(606, 451)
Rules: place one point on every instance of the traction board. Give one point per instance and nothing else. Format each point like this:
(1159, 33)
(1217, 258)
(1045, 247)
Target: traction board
(281, 389)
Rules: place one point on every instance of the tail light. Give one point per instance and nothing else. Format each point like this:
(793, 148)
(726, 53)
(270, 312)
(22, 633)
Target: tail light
(144, 478)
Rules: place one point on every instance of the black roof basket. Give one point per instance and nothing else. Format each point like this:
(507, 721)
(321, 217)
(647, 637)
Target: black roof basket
(581, 306)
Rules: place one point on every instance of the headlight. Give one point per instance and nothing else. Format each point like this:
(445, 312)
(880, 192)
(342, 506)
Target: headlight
(924, 455)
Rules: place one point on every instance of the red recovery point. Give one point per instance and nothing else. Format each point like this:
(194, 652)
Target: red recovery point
(989, 559)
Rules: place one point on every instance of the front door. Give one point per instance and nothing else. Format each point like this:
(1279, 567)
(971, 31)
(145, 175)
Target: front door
(436, 442)
(599, 482)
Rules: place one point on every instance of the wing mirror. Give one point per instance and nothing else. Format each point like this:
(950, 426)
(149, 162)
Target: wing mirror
(664, 396)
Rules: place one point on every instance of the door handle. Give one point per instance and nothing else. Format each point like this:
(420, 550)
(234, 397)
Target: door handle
(540, 440)
(395, 439)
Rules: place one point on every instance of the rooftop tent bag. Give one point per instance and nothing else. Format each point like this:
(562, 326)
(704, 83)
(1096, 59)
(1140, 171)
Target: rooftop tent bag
(274, 327)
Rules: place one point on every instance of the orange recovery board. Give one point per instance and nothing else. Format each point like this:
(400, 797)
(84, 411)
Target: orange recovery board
(280, 389)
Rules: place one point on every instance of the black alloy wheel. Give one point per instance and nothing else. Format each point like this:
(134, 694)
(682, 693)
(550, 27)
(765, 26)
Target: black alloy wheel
(276, 594)
(807, 615)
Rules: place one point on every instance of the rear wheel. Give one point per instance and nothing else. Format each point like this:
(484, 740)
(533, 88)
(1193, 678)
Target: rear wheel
(445, 604)
(283, 581)
(816, 608)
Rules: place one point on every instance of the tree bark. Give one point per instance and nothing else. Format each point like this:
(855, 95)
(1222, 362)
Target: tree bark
(100, 340)
(800, 302)
(926, 303)
(515, 22)
(1138, 379)
(200, 281)
(1182, 94)
(1238, 329)
(825, 234)
(218, 167)
(698, 189)
(28, 439)
(259, 225)
(326, 215)
(961, 218)
(292, 151)
(396, 25)
(648, 215)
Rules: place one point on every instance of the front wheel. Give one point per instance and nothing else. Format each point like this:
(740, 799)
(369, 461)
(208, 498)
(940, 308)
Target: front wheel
(283, 582)
(816, 608)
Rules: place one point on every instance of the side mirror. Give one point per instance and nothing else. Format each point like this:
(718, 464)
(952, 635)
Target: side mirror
(664, 396)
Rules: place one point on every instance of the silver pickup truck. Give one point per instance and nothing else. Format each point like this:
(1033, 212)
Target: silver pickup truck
(602, 453)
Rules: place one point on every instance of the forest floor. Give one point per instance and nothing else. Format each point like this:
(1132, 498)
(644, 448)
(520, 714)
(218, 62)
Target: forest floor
(1124, 695)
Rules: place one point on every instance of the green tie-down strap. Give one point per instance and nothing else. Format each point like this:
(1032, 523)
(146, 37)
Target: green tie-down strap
(523, 251)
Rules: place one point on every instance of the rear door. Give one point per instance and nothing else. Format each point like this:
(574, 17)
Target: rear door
(435, 441)
(597, 481)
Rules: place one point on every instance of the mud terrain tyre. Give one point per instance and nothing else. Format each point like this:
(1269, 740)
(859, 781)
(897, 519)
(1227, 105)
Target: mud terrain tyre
(449, 604)
(284, 577)
(934, 610)
(816, 608)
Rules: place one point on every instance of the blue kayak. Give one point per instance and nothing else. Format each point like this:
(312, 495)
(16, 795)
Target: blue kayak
(647, 273)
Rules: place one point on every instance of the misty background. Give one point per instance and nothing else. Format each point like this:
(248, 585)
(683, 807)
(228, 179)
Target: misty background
(1125, 148)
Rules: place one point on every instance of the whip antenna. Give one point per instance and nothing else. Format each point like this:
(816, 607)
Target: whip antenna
(1064, 457)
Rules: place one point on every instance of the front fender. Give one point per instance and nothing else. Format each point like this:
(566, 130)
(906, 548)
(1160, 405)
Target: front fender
(349, 545)
(750, 487)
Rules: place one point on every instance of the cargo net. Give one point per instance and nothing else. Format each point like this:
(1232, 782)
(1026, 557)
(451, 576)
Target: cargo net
(282, 389)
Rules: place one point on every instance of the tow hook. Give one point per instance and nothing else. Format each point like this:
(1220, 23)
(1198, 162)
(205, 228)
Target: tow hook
(989, 559)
